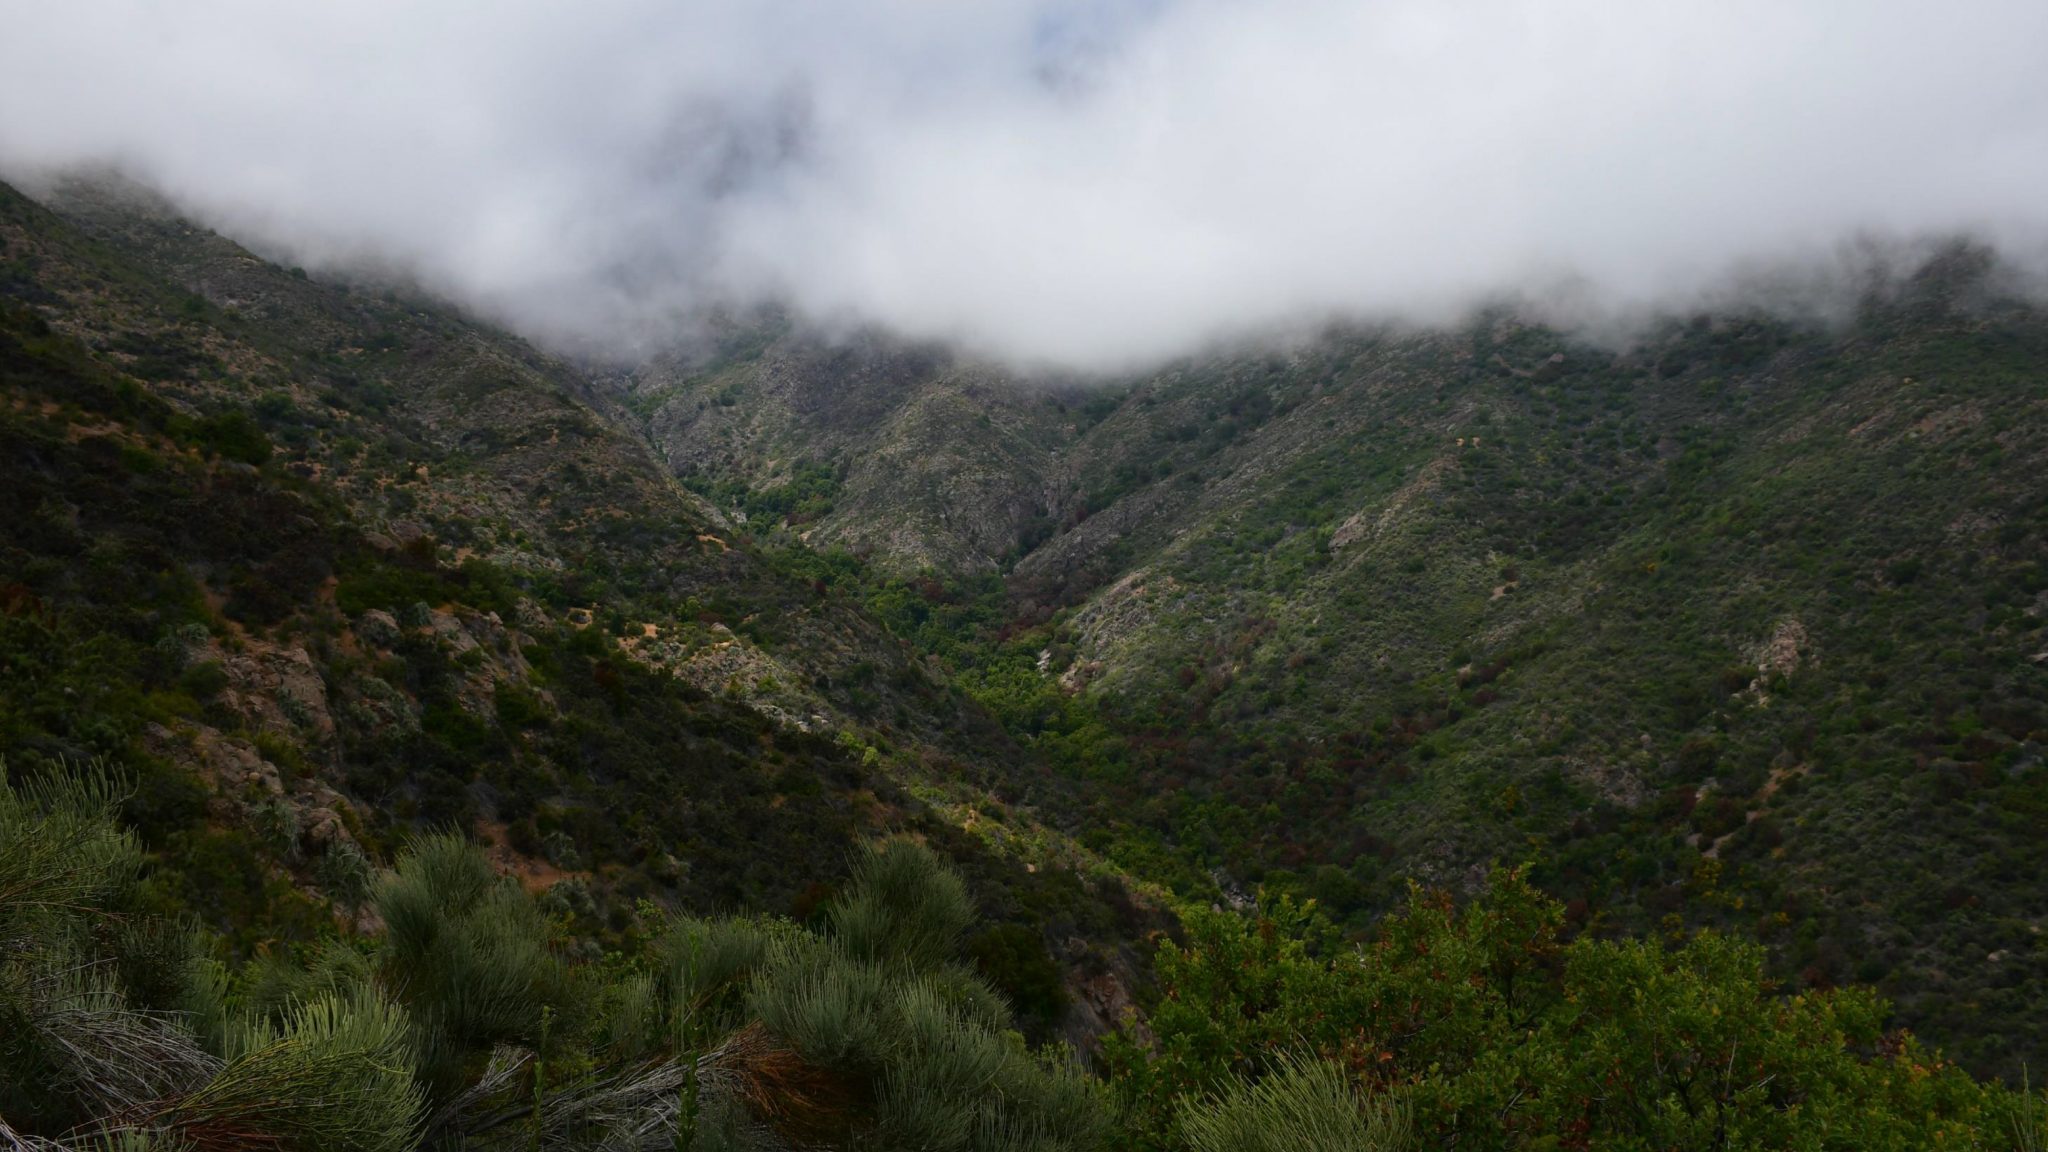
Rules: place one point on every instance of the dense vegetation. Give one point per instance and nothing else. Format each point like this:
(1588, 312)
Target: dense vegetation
(1493, 1030)
(464, 1023)
(296, 676)
(110, 637)
(1742, 625)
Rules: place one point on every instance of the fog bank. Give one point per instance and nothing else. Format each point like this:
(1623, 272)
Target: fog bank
(1077, 185)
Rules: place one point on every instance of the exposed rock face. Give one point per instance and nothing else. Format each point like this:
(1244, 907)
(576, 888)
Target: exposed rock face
(1371, 522)
(1113, 618)
(1103, 1002)
(241, 775)
(1782, 653)
(377, 706)
(280, 689)
(245, 783)
(321, 826)
(731, 666)
(378, 628)
(1099, 996)
(274, 688)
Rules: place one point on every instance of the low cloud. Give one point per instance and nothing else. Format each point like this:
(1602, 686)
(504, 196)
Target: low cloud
(1056, 182)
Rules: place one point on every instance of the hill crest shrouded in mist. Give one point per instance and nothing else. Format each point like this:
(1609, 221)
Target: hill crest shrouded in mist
(1091, 186)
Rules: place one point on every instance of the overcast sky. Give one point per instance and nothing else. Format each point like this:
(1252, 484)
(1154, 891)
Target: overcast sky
(1088, 185)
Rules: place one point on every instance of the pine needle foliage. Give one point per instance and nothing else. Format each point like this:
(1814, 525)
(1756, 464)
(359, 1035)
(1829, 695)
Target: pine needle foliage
(828, 1008)
(168, 966)
(903, 905)
(699, 966)
(1303, 1106)
(915, 1046)
(337, 1076)
(630, 1018)
(74, 1039)
(73, 1047)
(63, 852)
(272, 984)
(2028, 1116)
(466, 952)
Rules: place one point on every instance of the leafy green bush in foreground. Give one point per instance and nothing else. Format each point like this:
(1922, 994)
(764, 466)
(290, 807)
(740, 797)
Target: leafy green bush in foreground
(1494, 1032)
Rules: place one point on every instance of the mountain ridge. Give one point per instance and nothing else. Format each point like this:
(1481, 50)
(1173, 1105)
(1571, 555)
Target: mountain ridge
(1390, 605)
(1735, 627)
(318, 565)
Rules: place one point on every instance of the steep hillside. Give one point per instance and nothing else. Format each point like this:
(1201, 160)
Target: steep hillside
(911, 457)
(316, 567)
(1740, 625)
(427, 425)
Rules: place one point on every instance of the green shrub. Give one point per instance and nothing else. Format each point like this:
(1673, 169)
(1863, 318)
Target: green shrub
(1499, 1033)
(389, 588)
(1014, 959)
(234, 435)
(204, 681)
